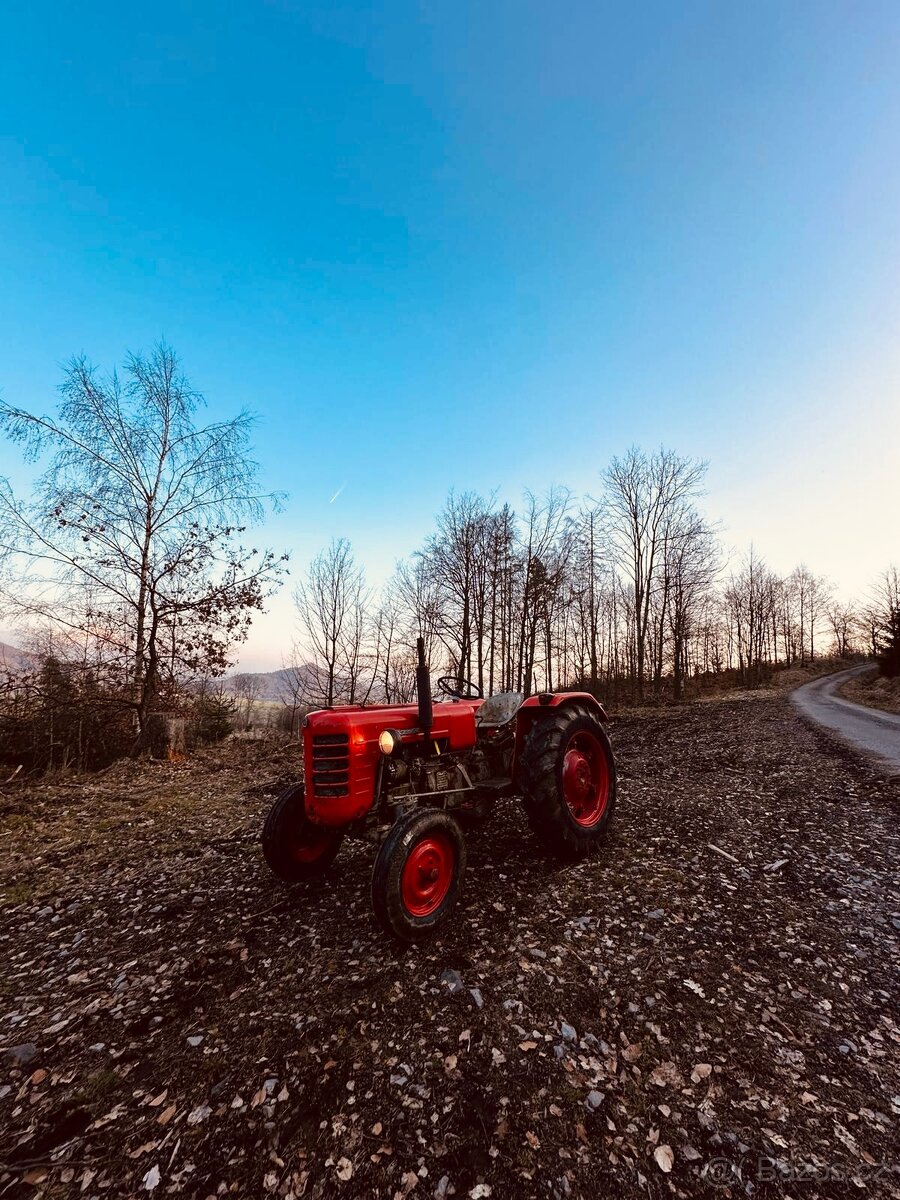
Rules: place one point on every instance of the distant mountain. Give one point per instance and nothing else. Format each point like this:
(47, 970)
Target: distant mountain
(274, 685)
(14, 659)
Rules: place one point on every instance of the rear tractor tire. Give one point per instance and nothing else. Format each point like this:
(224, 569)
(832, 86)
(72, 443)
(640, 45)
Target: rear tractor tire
(418, 873)
(293, 847)
(568, 778)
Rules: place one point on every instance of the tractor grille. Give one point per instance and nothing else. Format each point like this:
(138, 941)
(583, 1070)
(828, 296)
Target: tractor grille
(331, 764)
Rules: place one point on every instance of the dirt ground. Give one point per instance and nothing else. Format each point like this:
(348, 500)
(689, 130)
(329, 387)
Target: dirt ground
(666, 1019)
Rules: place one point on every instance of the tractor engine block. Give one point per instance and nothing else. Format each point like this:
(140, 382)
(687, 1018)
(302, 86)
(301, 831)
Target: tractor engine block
(442, 777)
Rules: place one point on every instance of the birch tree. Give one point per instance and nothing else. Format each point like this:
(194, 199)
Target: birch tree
(134, 532)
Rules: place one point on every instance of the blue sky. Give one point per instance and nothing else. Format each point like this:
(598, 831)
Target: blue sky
(481, 245)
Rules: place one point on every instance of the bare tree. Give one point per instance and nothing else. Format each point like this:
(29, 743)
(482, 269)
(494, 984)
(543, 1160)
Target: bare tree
(593, 572)
(642, 494)
(843, 620)
(331, 603)
(247, 689)
(690, 568)
(133, 533)
(415, 592)
(544, 561)
(387, 644)
(810, 595)
(455, 559)
(293, 686)
(749, 598)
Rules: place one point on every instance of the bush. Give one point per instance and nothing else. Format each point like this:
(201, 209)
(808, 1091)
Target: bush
(889, 649)
(61, 717)
(210, 718)
(65, 716)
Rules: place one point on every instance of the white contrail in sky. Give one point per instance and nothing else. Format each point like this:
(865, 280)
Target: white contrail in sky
(338, 492)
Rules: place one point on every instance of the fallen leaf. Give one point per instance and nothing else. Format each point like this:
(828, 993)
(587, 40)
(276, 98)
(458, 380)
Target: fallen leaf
(664, 1158)
(843, 1135)
(666, 1075)
(344, 1169)
(145, 1149)
(107, 1118)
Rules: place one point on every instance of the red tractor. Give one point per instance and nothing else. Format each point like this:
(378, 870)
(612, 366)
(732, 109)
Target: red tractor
(424, 770)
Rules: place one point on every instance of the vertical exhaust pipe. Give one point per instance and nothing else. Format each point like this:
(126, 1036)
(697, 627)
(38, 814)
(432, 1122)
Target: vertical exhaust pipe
(423, 688)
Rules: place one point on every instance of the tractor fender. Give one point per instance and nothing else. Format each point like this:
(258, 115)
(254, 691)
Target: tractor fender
(543, 705)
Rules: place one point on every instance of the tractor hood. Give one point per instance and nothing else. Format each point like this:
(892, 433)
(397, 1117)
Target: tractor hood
(341, 755)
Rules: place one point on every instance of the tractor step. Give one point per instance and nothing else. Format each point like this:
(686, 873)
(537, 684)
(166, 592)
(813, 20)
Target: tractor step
(499, 784)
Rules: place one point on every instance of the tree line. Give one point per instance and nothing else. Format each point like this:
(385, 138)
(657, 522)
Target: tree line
(629, 595)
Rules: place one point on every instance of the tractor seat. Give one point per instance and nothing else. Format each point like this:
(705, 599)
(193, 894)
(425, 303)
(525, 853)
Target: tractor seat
(499, 709)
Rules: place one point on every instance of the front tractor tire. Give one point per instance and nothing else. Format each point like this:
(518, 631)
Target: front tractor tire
(568, 778)
(418, 873)
(293, 847)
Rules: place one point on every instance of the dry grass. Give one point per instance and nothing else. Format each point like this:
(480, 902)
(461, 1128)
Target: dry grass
(874, 691)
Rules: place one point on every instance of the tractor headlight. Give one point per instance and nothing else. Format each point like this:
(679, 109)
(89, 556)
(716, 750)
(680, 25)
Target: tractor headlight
(388, 741)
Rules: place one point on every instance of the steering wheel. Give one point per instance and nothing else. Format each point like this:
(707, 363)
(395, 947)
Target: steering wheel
(460, 689)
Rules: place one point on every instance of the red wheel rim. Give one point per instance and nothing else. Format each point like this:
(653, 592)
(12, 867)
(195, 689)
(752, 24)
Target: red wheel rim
(310, 844)
(427, 875)
(585, 778)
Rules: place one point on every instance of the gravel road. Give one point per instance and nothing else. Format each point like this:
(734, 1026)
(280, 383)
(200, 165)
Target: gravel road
(875, 733)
